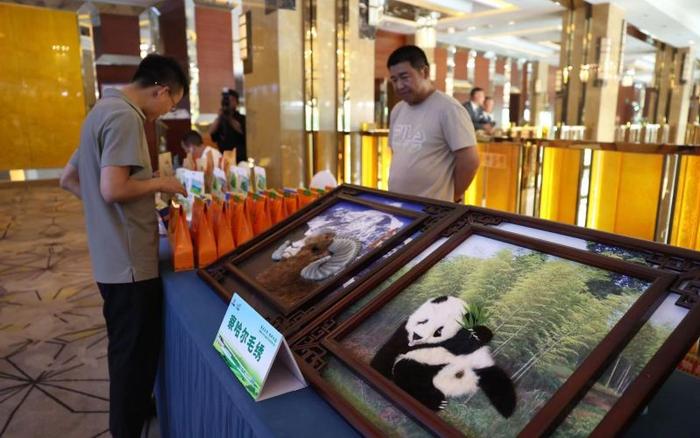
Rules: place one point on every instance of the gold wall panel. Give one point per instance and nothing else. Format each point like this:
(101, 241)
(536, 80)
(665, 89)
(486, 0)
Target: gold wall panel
(495, 184)
(560, 178)
(41, 88)
(686, 218)
(370, 166)
(625, 193)
(500, 183)
(384, 163)
(475, 193)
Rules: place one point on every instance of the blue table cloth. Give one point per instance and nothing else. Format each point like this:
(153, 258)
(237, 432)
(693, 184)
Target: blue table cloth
(198, 396)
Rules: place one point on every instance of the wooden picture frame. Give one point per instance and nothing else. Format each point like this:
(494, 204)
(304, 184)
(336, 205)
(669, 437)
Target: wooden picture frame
(315, 344)
(656, 255)
(431, 220)
(267, 244)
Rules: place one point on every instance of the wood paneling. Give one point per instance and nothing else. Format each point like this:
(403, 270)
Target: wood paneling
(172, 30)
(481, 72)
(214, 56)
(440, 59)
(385, 43)
(114, 74)
(117, 35)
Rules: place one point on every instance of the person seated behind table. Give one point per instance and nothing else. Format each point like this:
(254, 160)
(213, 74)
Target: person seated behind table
(192, 143)
(487, 120)
(474, 106)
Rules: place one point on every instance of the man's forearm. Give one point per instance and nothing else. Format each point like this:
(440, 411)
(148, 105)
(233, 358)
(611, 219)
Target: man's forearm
(130, 190)
(466, 166)
(70, 180)
(72, 186)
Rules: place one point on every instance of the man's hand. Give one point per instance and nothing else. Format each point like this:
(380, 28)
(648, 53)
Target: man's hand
(170, 184)
(116, 185)
(70, 180)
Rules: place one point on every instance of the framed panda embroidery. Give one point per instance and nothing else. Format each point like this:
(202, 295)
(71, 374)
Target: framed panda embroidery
(490, 334)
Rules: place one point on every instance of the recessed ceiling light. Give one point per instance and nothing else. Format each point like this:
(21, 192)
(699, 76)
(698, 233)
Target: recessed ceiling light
(511, 22)
(470, 28)
(691, 42)
(450, 30)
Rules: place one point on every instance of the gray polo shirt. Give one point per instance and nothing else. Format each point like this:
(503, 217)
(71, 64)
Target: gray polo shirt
(122, 237)
(423, 140)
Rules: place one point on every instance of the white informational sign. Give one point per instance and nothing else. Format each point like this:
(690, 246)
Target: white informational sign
(256, 353)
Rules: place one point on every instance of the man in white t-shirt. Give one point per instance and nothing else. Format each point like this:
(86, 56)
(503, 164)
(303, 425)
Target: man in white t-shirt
(431, 135)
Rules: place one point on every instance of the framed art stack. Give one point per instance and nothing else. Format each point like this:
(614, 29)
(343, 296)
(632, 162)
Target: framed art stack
(507, 326)
(302, 265)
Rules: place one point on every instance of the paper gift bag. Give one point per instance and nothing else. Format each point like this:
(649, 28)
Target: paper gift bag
(173, 218)
(240, 226)
(277, 210)
(306, 197)
(250, 208)
(181, 242)
(225, 242)
(165, 164)
(204, 242)
(197, 212)
(261, 214)
(291, 202)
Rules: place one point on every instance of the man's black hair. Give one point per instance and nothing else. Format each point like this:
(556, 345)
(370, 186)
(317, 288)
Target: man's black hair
(192, 138)
(233, 93)
(475, 90)
(161, 70)
(414, 55)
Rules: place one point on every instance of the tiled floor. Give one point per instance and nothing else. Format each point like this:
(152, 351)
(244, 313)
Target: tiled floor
(53, 346)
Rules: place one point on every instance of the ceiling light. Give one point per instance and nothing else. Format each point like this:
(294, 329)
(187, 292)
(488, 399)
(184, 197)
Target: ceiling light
(471, 28)
(691, 42)
(450, 30)
(510, 23)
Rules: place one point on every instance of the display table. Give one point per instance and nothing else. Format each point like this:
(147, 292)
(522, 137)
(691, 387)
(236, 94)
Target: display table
(198, 396)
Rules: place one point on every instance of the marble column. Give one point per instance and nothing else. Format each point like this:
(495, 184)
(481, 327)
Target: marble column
(591, 50)
(274, 96)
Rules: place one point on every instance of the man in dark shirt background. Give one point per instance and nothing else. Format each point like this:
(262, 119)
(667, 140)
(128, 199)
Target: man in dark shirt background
(228, 130)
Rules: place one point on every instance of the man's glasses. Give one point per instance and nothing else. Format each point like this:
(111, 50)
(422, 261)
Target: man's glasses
(173, 108)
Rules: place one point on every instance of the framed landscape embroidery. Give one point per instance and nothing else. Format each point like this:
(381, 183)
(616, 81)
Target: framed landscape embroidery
(533, 322)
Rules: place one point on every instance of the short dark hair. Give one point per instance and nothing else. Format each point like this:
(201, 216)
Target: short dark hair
(157, 69)
(414, 55)
(192, 138)
(488, 98)
(475, 90)
(233, 93)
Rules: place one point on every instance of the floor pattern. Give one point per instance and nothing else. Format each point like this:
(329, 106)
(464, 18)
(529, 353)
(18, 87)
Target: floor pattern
(53, 346)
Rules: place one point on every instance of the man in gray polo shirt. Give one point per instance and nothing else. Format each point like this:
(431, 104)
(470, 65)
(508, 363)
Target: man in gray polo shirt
(430, 134)
(111, 172)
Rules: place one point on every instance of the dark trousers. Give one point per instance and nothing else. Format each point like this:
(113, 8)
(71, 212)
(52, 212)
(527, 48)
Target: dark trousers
(134, 316)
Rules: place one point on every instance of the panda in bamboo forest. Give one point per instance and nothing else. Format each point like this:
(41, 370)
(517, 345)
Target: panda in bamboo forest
(433, 357)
